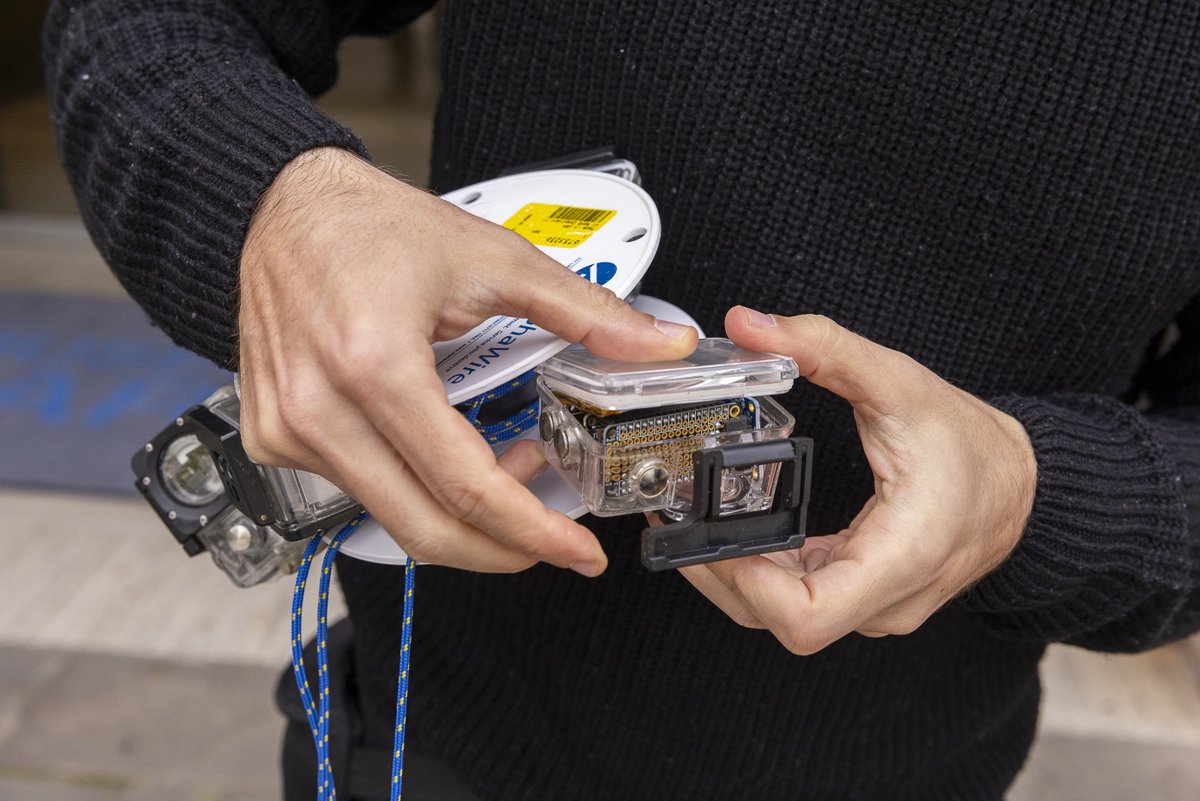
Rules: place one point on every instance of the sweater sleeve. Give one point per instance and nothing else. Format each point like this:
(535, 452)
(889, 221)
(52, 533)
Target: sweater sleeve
(1110, 558)
(173, 117)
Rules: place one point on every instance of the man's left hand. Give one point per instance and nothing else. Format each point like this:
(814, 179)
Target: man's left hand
(954, 484)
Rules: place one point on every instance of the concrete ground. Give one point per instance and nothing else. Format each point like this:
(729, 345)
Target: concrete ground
(83, 726)
(112, 690)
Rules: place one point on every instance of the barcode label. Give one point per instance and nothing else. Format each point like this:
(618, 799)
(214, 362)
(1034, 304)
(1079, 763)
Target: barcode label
(558, 226)
(576, 214)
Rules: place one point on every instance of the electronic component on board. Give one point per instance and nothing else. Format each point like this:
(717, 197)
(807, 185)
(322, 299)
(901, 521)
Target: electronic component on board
(633, 437)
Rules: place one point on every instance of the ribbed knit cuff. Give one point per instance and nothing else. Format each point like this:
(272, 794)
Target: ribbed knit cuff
(1108, 533)
(181, 191)
(169, 156)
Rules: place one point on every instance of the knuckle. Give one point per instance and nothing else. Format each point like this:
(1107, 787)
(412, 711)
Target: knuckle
(351, 355)
(605, 300)
(298, 410)
(739, 584)
(517, 248)
(801, 642)
(821, 328)
(512, 253)
(824, 334)
(580, 290)
(424, 546)
(264, 440)
(465, 499)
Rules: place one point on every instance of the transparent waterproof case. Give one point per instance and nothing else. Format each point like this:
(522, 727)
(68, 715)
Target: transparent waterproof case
(248, 553)
(254, 520)
(296, 503)
(699, 441)
(623, 434)
(642, 462)
(716, 370)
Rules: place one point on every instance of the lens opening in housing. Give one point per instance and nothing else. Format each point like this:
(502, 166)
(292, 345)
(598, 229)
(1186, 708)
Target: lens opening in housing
(188, 473)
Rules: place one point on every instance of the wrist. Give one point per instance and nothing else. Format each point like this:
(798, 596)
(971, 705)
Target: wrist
(1021, 481)
(298, 200)
(1014, 486)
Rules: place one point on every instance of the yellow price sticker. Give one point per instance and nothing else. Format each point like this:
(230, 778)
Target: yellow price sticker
(559, 226)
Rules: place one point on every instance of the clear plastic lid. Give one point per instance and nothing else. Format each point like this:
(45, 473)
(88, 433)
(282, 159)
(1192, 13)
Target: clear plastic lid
(717, 369)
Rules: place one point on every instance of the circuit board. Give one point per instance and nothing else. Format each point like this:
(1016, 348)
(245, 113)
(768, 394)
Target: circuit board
(670, 436)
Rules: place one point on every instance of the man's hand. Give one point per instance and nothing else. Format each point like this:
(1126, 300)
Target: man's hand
(347, 276)
(954, 484)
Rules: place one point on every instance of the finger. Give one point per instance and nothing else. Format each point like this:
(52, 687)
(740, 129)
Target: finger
(523, 461)
(816, 553)
(777, 598)
(267, 437)
(365, 465)
(877, 380)
(792, 560)
(423, 528)
(557, 299)
(910, 570)
(700, 577)
(807, 612)
(408, 406)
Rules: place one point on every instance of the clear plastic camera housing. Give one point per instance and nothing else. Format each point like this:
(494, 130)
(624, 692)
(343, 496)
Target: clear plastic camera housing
(299, 498)
(249, 554)
(716, 370)
(623, 435)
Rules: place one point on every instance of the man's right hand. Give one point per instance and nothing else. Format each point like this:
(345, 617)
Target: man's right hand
(347, 276)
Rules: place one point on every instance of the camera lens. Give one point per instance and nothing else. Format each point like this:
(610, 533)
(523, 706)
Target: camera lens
(188, 473)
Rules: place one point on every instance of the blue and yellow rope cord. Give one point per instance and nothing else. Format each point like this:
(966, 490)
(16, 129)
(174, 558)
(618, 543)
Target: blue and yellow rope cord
(319, 712)
(513, 426)
(402, 683)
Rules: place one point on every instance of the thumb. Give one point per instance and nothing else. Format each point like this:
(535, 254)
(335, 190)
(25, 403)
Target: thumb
(523, 461)
(876, 380)
(559, 300)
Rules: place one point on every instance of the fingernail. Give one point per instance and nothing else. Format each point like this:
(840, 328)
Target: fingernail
(758, 319)
(673, 330)
(589, 569)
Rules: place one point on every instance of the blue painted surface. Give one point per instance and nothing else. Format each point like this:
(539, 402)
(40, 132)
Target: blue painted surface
(600, 272)
(83, 383)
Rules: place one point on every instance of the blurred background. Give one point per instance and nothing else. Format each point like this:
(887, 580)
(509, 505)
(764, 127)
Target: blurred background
(128, 671)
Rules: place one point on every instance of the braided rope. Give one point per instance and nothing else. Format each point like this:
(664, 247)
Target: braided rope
(513, 426)
(319, 712)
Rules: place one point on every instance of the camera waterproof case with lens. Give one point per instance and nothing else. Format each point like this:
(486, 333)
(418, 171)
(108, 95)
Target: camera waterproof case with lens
(253, 519)
(699, 441)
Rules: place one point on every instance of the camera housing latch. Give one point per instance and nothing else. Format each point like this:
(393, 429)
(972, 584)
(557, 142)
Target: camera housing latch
(703, 535)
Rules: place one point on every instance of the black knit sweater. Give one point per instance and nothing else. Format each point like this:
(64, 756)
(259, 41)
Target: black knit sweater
(1007, 191)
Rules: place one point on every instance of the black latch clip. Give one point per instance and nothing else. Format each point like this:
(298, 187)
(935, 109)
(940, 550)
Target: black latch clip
(705, 536)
